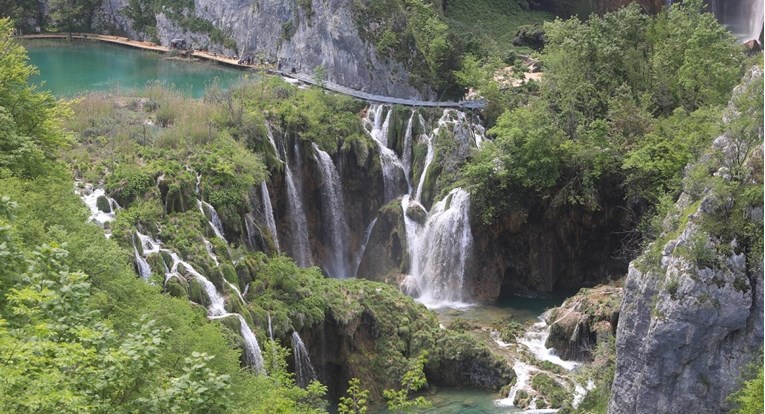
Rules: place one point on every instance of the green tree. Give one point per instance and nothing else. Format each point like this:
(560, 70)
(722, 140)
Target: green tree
(29, 119)
(412, 381)
(750, 398)
(356, 400)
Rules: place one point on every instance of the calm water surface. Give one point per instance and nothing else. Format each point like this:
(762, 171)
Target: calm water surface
(71, 68)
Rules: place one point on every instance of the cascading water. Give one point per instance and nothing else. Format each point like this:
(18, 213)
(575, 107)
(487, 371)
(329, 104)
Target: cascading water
(393, 169)
(440, 250)
(304, 372)
(209, 248)
(216, 309)
(90, 197)
(144, 270)
(744, 18)
(534, 340)
(333, 212)
(215, 223)
(301, 251)
(428, 159)
(407, 155)
(363, 248)
(268, 213)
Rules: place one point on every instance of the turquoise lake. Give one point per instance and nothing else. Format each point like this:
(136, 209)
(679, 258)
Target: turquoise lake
(72, 68)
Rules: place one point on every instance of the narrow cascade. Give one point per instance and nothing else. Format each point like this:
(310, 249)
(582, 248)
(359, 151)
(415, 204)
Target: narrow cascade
(439, 251)
(333, 212)
(523, 375)
(304, 372)
(393, 169)
(209, 248)
(214, 221)
(252, 354)
(268, 213)
(363, 248)
(407, 155)
(445, 118)
(535, 339)
(428, 159)
(301, 251)
(216, 308)
(271, 139)
(144, 270)
(90, 197)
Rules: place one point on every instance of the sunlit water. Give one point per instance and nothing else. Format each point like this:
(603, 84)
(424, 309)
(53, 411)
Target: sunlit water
(72, 68)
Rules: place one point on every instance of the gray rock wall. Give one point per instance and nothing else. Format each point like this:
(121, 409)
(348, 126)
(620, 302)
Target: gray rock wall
(688, 327)
(328, 38)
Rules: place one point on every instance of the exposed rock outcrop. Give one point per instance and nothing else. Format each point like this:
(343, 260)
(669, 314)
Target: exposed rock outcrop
(322, 36)
(377, 330)
(542, 247)
(692, 315)
(584, 320)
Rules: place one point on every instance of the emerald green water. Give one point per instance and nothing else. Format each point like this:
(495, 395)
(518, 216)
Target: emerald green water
(72, 68)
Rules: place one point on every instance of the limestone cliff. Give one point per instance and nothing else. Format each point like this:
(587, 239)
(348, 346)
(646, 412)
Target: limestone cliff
(322, 35)
(692, 315)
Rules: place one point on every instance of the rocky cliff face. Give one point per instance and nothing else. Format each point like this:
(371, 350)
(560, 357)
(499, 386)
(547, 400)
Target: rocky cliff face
(322, 35)
(542, 247)
(692, 315)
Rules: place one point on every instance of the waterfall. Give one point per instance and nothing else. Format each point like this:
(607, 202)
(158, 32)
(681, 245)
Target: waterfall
(440, 250)
(535, 339)
(407, 161)
(333, 212)
(428, 159)
(268, 213)
(393, 169)
(252, 354)
(363, 248)
(270, 330)
(214, 221)
(90, 197)
(304, 372)
(144, 270)
(209, 248)
(744, 18)
(300, 248)
(271, 139)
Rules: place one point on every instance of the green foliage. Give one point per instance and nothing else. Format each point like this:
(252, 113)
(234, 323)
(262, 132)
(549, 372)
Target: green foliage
(554, 393)
(492, 25)
(356, 400)
(412, 381)
(413, 33)
(29, 119)
(72, 15)
(749, 398)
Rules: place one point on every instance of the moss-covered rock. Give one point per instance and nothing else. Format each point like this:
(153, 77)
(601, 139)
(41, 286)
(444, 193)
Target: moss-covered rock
(386, 256)
(102, 203)
(584, 320)
(417, 212)
(179, 288)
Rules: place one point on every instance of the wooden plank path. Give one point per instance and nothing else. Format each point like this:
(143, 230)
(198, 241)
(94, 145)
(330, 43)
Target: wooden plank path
(230, 61)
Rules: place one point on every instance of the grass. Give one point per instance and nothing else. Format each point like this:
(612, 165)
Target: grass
(492, 23)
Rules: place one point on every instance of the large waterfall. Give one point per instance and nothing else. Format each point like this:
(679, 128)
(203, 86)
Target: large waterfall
(304, 372)
(439, 250)
(333, 214)
(743, 17)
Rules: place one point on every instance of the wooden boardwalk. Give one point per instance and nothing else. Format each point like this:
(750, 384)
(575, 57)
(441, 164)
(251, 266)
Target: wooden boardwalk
(364, 96)
(232, 61)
